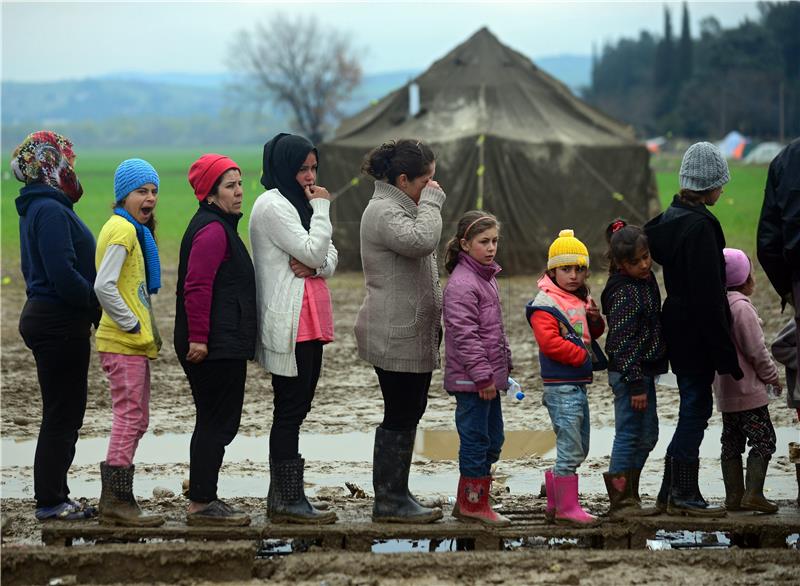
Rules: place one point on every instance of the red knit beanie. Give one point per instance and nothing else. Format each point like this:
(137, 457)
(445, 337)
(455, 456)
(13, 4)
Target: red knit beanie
(205, 171)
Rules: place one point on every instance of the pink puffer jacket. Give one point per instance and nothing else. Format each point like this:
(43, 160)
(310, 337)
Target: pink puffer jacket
(476, 346)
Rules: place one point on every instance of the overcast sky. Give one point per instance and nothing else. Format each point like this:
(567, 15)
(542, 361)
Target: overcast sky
(45, 41)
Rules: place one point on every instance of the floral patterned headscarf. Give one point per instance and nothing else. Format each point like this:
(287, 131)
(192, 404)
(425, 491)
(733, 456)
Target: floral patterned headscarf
(45, 157)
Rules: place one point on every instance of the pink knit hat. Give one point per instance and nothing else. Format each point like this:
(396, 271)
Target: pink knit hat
(205, 171)
(737, 267)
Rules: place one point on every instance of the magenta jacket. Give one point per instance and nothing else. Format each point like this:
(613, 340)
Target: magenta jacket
(754, 360)
(476, 346)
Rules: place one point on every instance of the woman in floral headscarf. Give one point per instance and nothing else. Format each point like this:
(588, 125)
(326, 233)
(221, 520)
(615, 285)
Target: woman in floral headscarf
(57, 256)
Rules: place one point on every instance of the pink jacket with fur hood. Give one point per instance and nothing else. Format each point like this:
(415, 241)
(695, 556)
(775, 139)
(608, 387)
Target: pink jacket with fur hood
(754, 359)
(476, 346)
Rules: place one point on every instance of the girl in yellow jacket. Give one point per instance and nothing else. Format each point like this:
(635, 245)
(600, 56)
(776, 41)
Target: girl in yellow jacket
(129, 272)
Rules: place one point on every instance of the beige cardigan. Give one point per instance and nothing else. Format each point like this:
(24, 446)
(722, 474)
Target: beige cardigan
(276, 234)
(399, 323)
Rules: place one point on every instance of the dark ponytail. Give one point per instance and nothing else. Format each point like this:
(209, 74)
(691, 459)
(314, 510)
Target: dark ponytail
(405, 156)
(624, 240)
(470, 225)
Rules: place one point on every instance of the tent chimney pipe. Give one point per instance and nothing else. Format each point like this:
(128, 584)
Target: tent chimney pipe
(413, 99)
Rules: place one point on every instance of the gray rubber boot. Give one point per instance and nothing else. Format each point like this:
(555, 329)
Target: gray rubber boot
(391, 464)
(286, 499)
(634, 476)
(734, 483)
(753, 499)
(117, 504)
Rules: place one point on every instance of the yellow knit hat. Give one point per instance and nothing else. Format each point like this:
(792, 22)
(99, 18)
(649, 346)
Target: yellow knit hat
(566, 250)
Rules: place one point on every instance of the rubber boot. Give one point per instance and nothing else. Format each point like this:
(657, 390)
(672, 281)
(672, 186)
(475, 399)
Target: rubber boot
(734, 483)
(286, 499)
(618, 487)
(753, 499)
(550, 491)
(472, 502)
(568, 509)
(662, 500)
(117, 504)
(634, 475)
(797, 472)
(391, 464)
(684, 493)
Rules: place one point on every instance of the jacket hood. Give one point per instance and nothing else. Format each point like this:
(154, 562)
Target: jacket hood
(34, 191)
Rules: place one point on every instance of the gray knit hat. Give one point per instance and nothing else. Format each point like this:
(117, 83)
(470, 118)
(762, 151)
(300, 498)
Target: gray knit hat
(703, 167)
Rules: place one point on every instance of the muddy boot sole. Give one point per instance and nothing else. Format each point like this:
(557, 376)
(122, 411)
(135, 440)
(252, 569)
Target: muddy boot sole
(431, 517)
(323, 519)
(766, 508)
(571, 523)
(480, 521)
(681, 512)
(218, 521)
(122, 522)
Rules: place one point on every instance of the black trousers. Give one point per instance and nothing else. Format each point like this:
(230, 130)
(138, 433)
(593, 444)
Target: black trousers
(218, 393)
(292, 401)
(59, 340)
(405, 398)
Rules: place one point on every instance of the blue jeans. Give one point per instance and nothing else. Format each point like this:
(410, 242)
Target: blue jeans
(480, 432)
(569, 413)
(636, 432)
(693, 415)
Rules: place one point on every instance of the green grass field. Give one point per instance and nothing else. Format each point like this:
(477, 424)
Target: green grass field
(738, 208)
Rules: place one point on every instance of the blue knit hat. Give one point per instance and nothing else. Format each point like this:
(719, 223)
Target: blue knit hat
(132, 174)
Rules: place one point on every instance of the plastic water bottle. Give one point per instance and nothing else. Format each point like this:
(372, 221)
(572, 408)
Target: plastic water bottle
(514, 392)
(773, 392)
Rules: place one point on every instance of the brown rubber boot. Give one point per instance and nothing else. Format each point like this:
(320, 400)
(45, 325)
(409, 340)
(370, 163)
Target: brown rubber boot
(734, 483)
(618, 487)
(117, 504)
(753, 499)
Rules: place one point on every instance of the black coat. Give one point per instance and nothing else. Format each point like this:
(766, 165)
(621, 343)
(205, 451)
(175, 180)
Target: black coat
(779, 226)
(687, 241)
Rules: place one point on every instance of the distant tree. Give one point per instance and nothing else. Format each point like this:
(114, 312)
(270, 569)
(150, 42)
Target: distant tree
(665, 55)
(685, 62)
(295, 63)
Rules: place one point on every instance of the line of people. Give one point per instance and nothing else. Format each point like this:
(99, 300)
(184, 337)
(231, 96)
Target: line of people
(276, 308)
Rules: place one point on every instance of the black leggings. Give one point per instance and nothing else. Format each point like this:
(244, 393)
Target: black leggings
(218, 393)
(753, 425)
(405, 398)
(60, 343)
(292, 400)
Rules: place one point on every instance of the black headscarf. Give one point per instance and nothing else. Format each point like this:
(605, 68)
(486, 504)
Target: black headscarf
(283, 157)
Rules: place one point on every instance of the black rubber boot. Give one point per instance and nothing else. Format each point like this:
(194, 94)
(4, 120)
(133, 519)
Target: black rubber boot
(662, 500)
(117, 504)
(633, 486)
(391, 463)
(734, 483)
(753, 499)
(684, 493)
(286, 499)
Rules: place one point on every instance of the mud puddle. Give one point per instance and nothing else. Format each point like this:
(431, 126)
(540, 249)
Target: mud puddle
(336, 459)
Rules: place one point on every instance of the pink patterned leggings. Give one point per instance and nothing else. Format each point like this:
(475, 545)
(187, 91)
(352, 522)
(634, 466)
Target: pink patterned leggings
(129, 379)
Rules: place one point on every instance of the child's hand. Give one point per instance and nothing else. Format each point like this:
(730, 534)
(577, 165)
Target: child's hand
(639, 402)
(488, 393)
(592, 312)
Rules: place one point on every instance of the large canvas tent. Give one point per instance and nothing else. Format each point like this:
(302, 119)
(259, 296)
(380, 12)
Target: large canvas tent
(509, 139)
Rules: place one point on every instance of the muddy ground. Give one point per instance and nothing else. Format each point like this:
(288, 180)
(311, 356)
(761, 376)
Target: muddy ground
(348, 400)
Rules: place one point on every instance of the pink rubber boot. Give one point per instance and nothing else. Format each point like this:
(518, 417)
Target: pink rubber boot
(473, 505)
(550, 489)
(568, 509)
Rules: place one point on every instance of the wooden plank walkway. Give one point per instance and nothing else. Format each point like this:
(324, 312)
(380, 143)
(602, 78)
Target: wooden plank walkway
(744, 528)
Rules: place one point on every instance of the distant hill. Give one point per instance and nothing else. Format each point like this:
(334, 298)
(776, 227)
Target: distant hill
(130, 108)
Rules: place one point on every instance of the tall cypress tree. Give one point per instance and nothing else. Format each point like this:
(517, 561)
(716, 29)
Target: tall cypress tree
(685, 57)
(665, 55)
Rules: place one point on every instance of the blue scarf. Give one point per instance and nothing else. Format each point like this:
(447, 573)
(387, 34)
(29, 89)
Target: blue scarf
(152, 263)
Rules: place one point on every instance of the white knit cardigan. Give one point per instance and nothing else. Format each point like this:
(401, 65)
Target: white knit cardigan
(276, 235)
